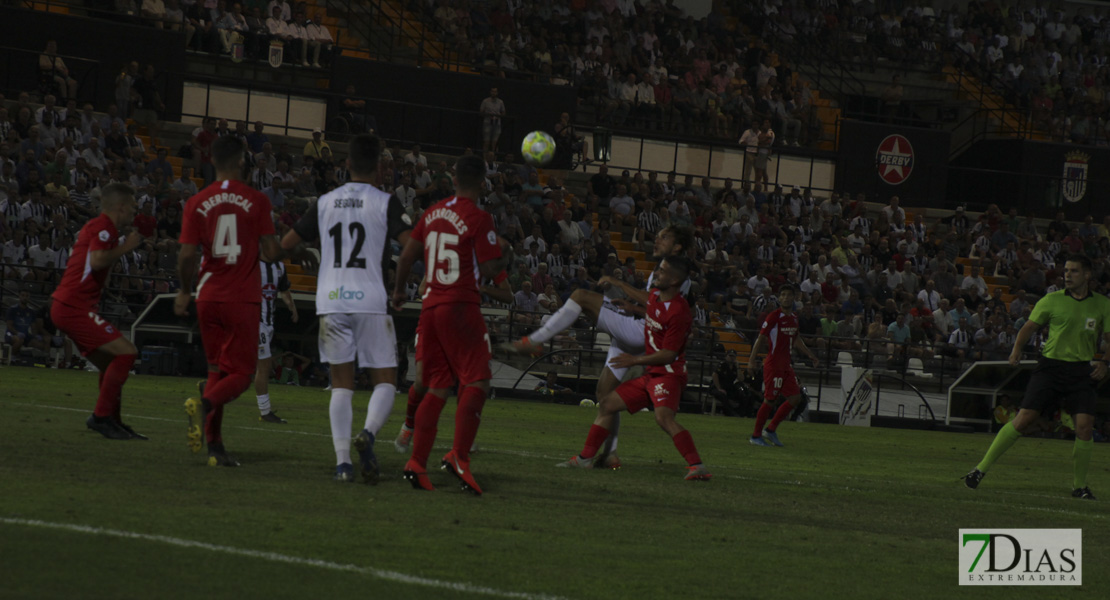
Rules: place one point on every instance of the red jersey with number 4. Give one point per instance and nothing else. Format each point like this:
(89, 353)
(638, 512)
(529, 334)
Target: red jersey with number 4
(666, 327)
(226, 219)
(457, 237)
(780, 329)
(81, 285)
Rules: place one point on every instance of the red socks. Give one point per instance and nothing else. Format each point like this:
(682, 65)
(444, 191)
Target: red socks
(467, 418)
(424, 436)
(221, 389)
(761, 418)
(410, 410)
(780, 415)
(111, 385)
(594, 440)
(684, 442)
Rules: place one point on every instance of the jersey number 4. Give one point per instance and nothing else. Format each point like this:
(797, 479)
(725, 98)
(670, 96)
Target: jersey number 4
(226, 244)
(357, 232)
(441, 247)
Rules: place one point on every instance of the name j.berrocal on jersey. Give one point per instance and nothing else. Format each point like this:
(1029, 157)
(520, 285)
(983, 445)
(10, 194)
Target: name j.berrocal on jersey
(345, 294)
(219, 199)
(448, 215)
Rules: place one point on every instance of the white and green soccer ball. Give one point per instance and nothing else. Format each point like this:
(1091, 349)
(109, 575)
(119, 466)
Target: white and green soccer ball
(587, 403)
(538, 148)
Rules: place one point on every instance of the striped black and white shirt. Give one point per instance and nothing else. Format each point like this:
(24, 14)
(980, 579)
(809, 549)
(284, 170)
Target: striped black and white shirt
(763, 303)
(701, 316)
(556, 265)
(274, 281)
(866, 262)
(35, 210)
(705, 244)
(960, 339)
(650, 222)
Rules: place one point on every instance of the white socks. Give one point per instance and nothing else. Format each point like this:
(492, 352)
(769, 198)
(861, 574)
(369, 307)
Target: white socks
(559, 322)
(610, 443)
(379, 407)
(264, 404)
(341, 419)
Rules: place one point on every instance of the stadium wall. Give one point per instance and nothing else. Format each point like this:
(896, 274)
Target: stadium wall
(282, 112)
(440, 108)
(111, 44)
(1037, 177)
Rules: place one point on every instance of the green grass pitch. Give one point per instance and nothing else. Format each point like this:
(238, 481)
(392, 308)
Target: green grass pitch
(838, 513)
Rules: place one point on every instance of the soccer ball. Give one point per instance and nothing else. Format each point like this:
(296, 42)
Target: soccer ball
(587, 403)
(538, 148)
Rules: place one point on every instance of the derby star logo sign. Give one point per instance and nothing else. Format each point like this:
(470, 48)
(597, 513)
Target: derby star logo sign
(894, 159)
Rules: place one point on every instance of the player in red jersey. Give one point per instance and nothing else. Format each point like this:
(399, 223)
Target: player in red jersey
(496, 289)
(780, 334)
(226, 222)
(666, 327)
(77, 299)
(460, 248)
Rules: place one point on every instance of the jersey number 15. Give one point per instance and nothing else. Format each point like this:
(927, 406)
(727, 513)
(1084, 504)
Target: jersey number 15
(441, 247)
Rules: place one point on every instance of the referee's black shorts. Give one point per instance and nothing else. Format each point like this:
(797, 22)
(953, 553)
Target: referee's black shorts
(1061, 383)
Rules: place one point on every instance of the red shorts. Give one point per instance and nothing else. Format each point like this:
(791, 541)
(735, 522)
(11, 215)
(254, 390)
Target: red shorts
(453, 345)
(649, 390)
(86, 328)
(229, 332)
(780, 382)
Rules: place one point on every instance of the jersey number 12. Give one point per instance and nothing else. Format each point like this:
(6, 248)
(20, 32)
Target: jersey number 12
(358, 232)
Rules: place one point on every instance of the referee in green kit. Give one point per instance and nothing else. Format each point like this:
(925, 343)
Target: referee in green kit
(1067, 371)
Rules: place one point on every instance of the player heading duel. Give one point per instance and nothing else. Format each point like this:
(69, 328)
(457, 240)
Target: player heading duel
(667, 326)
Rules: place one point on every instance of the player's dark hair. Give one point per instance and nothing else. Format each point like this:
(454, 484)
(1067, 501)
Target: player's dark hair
(786, 287)
(470, 170)
(681, 263)
(227, 152)
(683, 236)
(363, 153)
(113, 194)
(1082, 259)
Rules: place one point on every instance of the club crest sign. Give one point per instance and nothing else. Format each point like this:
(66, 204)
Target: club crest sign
(277, 53)
(1074, 183)
(894, 159)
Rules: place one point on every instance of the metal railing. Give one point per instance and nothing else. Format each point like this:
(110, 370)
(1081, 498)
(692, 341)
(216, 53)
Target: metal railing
(19, 62)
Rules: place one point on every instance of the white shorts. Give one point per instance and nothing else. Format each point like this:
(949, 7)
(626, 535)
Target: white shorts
(369, 337)
(265, 336)
(626, 335)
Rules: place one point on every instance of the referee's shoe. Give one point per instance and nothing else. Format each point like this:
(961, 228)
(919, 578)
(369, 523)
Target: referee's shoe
(1083, 493)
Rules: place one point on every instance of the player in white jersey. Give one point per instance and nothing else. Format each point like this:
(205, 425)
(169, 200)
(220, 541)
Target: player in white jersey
(274, 284)
(355, 224)
(622, 320)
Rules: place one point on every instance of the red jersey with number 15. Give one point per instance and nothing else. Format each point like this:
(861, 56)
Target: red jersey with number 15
(780, 329)
(81, 285)
(226, 219)
(667, 327)
(457, 237)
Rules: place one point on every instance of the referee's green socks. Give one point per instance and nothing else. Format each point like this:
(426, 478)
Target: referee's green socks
(1081, 458)
(1006, 438)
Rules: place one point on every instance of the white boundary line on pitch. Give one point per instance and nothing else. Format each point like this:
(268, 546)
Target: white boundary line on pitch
(393, 576)
(527, 454)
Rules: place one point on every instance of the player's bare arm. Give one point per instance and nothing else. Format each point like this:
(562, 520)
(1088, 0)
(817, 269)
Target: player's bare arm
(1024, 335)
(635, 294)
(186, 275)
(662, 357)
(412, 251)
(102, 259)
(287, 299)
(757, 347)
(801, 345)
(501, 292)
(1099, 365)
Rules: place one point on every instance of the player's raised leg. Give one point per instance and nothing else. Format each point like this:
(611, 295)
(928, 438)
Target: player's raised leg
(580, 301)
(1009, 434)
